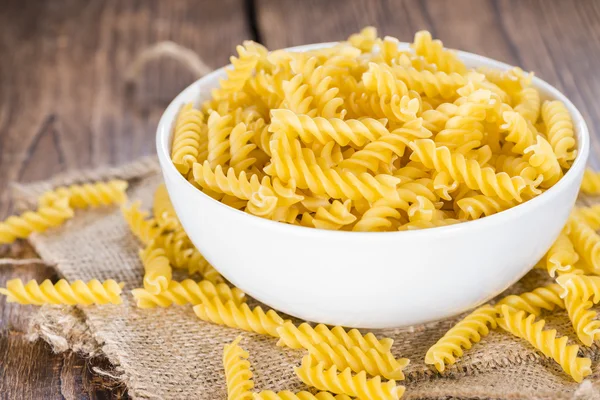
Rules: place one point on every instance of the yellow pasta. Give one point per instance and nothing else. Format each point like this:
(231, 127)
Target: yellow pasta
(229, 183)
(473, 207)
(304, 395)
(561, 257)
(591, 182)
(315, 374)
(543, 159)
(44, 218)
(354, 122)
(373, 362)
(433, 51)
(189, 138)
(88, 195)
(528, 104)
(163, 210)
(543, 298)
(188, 292)
(560, 132)
(237, 371)
(239, 316)
(584, 320)
(467, 171)
(462, 335)
(585, 286)
(524, 326)
(144, 228)
(591, 215)
(585, 240)
(157, 270)
(243, 67)
(323, 130)
(332, 217)
(305, 336)
(63, 292)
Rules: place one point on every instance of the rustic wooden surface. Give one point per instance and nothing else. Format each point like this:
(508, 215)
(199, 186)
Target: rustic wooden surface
(64, 102)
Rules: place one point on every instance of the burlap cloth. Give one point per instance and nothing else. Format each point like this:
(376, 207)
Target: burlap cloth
(169, 353)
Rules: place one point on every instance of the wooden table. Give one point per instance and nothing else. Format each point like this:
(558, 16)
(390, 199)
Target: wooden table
(64, 103)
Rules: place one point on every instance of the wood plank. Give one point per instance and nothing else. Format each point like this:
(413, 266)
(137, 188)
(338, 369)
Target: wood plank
(558, 40)
(64, 104)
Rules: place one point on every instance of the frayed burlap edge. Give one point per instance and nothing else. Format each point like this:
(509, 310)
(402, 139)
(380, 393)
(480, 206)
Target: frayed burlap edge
(65, 328)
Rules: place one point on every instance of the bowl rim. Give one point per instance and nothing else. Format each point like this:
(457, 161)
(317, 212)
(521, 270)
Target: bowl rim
(164, 128)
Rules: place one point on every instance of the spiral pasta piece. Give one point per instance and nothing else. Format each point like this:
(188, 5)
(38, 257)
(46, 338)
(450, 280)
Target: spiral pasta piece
(44, 218)
(189, 136)
(512, 81)
(560, 132)
(323, 130)
(373, 362)
(344, 185)
(586, 242)
(242, 68)
(462, 335)
(584, 320)
(305, 336)
(591, 182)
(519, 132)
(380, 79)
(585, 286)
(543, 298)
(188, 291)
(240, 148)
(144, 228)
(197, 263)
(163, 210)
(528, 104)
(433, 51)
(365, 39)
(467, 171)
(232, 184)
(88, 195)
(544, 160)
(219, 130)
(524, 326)
(561, 257)
(315, 374)
(157, 270)
(590, 215)
(473, 207)
(397, 109)
(334, 216)
(303, 395)
(381, 151)
(181, 253)
(239, 316)
(380, 216)
(63, 292)
(238, 375)
(432, 84)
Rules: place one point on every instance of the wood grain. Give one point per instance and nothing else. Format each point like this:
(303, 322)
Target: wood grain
(64, 102)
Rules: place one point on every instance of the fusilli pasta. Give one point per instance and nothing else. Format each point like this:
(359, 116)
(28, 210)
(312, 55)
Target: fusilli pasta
(315, 374)
(469, 330)
(525, 327)
(63, 292)
(237, 371)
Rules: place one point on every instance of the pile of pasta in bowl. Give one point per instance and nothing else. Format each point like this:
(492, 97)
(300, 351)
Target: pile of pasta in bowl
(364, 136)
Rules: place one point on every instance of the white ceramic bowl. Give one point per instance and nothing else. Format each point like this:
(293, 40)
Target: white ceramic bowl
(371, 280)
